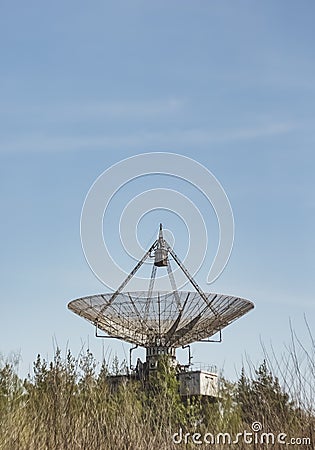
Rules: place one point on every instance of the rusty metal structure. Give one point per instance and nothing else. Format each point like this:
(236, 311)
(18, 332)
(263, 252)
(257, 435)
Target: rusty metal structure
(157, 320)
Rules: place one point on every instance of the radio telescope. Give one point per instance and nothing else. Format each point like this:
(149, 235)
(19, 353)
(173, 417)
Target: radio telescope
(161, 321)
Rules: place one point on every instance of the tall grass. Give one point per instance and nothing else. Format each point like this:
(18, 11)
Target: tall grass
(70, 403)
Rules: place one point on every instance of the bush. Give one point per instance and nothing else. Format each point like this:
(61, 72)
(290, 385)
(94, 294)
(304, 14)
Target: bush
(69, 404)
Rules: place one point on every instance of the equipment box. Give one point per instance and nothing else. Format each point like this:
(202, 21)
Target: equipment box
(198, 382)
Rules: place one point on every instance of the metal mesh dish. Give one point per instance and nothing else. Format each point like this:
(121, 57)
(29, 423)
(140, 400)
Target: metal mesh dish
(165, 318)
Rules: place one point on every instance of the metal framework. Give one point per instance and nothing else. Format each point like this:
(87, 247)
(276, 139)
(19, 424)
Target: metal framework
(157, 318)
(161, 322)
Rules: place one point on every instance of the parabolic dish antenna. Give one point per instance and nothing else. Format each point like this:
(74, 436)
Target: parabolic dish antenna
(164, 319)
(157, 320)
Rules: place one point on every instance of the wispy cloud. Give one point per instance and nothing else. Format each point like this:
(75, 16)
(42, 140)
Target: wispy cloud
(49, 143)
(96, 109)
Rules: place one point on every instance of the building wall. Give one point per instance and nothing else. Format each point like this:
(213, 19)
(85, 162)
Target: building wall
(198, 382)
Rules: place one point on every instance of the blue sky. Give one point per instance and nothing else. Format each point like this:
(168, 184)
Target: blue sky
(82, 86)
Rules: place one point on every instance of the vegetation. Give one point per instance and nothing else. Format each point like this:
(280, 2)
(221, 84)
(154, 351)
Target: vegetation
(71, 403)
